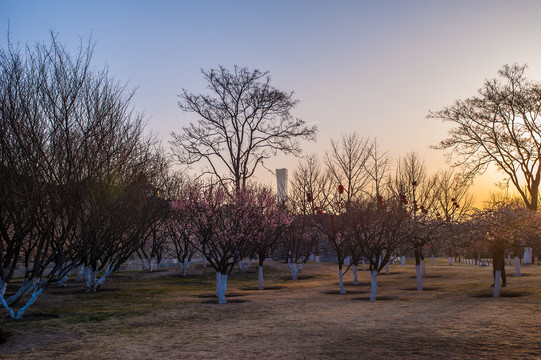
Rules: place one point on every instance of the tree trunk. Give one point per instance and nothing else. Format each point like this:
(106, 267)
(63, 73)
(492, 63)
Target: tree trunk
(223, 289)
(260, 281)
(340, 281)
(517, 266)
(403, 260)
(387, 269)
(184, 267)
(364, 265)
(497, 276)
(294, 271)
(419, 274)
(373, 285)
(355, 275)
(218, 283)
(450, 260)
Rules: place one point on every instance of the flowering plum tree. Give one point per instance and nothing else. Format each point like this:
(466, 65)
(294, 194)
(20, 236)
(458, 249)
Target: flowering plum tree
(270, 221)
(297, 244)
(380, 228)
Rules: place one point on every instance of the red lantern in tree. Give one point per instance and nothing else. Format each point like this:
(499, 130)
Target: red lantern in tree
(453, 200)
(309, 197)
(340, 189)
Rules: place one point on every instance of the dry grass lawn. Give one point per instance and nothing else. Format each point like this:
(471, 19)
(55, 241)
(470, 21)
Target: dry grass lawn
(164, 316)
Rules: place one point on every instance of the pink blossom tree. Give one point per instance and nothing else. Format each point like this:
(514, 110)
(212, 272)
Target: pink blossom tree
(380, 227)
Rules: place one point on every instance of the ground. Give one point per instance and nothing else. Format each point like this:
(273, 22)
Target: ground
(163, 315)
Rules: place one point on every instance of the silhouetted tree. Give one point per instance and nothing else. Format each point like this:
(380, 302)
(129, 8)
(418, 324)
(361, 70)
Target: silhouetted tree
(242, 122)
(500, 126)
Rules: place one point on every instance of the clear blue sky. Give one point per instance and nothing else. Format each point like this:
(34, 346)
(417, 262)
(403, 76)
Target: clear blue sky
(375, 67)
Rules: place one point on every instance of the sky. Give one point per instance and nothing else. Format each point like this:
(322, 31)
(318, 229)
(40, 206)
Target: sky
(372, 67)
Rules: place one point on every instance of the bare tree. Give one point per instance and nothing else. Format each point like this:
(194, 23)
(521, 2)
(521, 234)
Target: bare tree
(500, 126)
(346, 163)
(414, 189)
(243, 122)
(68, 140)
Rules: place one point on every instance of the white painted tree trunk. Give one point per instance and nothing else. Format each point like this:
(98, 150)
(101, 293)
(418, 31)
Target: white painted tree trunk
(184, 267)
(26, 287)
(244, 265)
(62, 282)
(90, 278)
(218, 283)
(373, 285)
(36, 288)
(80, 271)
(450, 260)
(517, 266)
(317, 258)
(341, 282)
(509, 259)
(403, 260)
(419, 277)
(102, 278)
(294, 271)
(364, 265)
(260, 280)
(497, 276)
(223, 289)
(355, 275)
(387, 269)
(423, 267)
(432, 261)
(204, 261)
(148, 264)
(528, 252)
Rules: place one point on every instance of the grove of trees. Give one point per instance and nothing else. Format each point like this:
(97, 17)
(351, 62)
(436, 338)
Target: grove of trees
(83, 188)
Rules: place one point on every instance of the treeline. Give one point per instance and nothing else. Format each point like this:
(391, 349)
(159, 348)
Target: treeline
(83, 188)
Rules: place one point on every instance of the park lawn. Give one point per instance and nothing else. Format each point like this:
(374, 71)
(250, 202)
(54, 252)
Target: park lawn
(163, 315)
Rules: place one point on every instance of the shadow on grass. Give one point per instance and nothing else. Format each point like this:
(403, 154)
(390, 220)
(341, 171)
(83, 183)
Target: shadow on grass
(300, 277)
(3, 336)
(38, 316)
(227, 295)
(427, 277)
(229, 301)
(378, 298)
(425, 288)
(503, 294)
(255, 288)
(348, 292)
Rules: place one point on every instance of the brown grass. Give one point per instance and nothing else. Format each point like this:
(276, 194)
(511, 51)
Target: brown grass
(162, 315)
